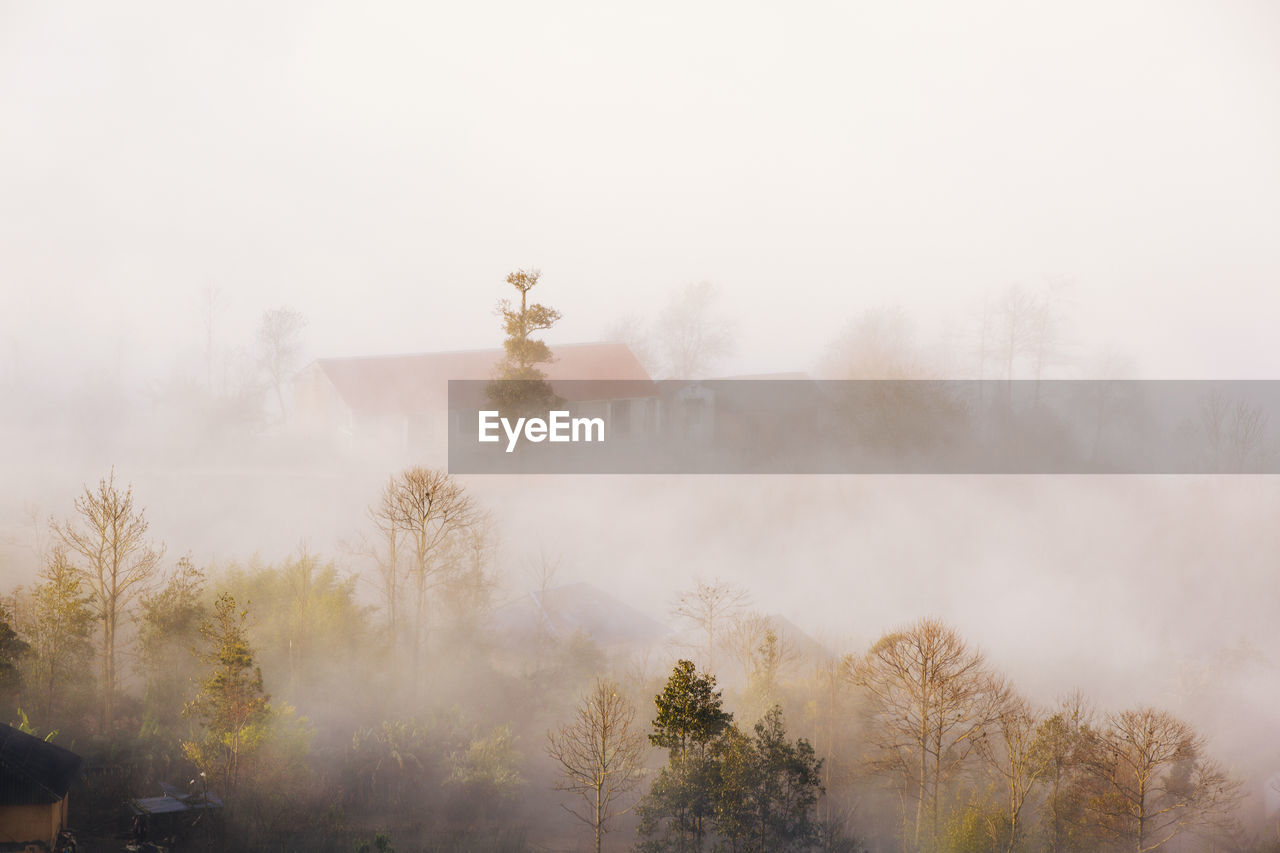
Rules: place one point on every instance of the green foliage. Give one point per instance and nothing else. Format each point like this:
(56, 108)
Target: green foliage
(689, 724)
(768, 788)
(12, 650)
(976, 828)
(308, 624)
(23, 725)
(169, 632)
(522, 387)
(489, 766)
(690, 714)
(59, 671)
(381, 844)
(231, 704)
(392, 761)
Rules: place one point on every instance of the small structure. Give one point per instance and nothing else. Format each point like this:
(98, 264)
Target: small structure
(34, 779)
(165, 816)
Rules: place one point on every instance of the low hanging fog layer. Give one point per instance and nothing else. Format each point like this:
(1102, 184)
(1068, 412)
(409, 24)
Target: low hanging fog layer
(199, 204)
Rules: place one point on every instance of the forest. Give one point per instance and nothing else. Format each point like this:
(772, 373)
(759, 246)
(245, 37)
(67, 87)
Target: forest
(323, 722)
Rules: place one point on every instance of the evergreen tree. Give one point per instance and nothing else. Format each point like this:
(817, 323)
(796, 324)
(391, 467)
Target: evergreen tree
(768, 789)
(690, 723)
(231, 703)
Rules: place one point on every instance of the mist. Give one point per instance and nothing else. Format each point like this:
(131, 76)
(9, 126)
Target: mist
(857, 191)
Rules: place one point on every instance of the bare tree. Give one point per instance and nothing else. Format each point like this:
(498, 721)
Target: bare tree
(386, 551)
(630, 329)
(930, 699)
(107, 538)
(1234, 433)
(1015, 321)
(692, 334)
(544, 570)
(600, 755)
(1010, 747)
(1158, 782)
(1046, 333)
(430, 507)
(744, 635)
(279, 346)
(710, 607)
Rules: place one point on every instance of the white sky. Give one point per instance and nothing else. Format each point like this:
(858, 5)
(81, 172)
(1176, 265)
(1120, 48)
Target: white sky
(381, 167)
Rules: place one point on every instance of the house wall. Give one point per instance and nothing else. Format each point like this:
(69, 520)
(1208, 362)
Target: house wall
(33, 823)
(317, 404)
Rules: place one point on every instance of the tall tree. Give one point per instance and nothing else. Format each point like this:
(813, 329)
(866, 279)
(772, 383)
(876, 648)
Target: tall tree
(689, 724)
(693, 334)
(600, 756)
(521, 387)
(1158, 782)
(385, 547)
(768, 789)
(231, 704)
(1010, 747)
(431, 507)
(1064, 742)
(107, 540)
(170, 631)
(279, 348)
(61, 635)
(930, 697)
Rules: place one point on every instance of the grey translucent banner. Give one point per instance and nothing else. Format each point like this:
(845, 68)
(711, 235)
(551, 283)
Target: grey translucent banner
(866, 427)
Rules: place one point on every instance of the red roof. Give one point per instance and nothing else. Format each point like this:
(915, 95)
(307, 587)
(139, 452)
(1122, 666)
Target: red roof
(415, 383)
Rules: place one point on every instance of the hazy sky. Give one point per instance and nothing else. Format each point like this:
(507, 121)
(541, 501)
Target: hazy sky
(381, 167)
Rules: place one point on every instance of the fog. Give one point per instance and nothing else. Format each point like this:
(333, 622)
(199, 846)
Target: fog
(860, 184)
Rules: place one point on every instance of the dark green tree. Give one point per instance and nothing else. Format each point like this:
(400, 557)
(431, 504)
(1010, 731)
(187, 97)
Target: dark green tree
(690, 723)
(12, 649)
(768, 789)
(521, 387)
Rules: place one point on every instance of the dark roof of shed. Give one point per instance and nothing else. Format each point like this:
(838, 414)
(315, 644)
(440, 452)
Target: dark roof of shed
(33, 771)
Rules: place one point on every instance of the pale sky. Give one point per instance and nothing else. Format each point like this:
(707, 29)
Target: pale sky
(381, 167)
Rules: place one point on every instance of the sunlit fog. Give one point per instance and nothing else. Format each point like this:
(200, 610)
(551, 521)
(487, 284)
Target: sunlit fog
(245, 605)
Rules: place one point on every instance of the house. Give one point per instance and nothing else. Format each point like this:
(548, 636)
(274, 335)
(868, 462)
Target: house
(401, 402)
(34, 779)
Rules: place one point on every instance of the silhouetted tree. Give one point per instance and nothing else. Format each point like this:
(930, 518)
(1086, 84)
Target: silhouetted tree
(279, 348)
